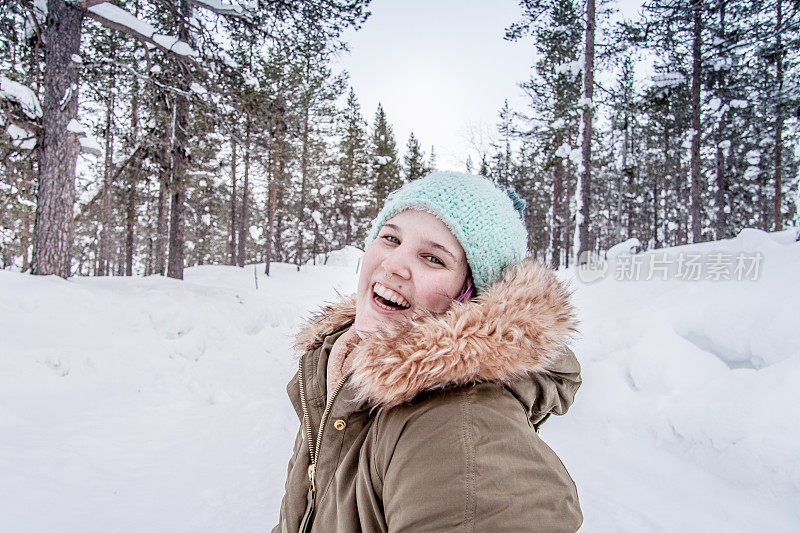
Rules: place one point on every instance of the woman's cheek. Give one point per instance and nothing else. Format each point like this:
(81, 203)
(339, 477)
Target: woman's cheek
(437, 293)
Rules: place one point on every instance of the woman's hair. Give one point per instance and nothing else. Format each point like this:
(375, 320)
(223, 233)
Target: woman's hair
(468, 291)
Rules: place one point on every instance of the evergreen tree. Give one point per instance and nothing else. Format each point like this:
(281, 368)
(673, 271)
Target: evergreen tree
(414, 159)
(352, 190)
(432, 160)
(554, 91)
(385, 172)
(502, 160)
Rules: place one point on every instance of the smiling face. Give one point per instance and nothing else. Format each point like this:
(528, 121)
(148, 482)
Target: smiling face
(414, 265)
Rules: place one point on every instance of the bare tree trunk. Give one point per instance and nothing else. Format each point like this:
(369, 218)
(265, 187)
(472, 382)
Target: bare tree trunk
(148, 266)
(721, 196)
(161, 228)
(697, 223)
(24, 239)
(53, 230)
(273, 187)
(586, 149)
(278, 242)
(304, 180)
(558, 180)
(177, 214)
(120, 261)
(177, 237)
(656, 202)
(720, 170)
(668, 186)
(315, 244)
(243, 217)
(348, 207)
(165, 172)
(132, 174)
(567, 213)
(779, 123)
(105, 199)
(233, 228)
(624, 174)
(764, 207)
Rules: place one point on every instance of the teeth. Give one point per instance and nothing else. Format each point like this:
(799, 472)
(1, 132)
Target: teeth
(391, 295)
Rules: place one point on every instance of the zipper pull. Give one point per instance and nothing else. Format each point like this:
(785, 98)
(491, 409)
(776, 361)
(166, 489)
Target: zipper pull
(311, 470)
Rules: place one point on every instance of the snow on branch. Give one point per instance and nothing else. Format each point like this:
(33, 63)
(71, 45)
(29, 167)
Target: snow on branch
(115, 17)
(668, 79)
(88, 144)
(574, 68)
(227, 7)
(21, 138)
(25, 97)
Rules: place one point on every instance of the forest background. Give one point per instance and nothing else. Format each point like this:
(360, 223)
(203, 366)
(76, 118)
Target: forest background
(145, 136)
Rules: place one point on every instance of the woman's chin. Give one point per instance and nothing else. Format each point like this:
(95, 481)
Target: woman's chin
(371, 320)
(369, 326)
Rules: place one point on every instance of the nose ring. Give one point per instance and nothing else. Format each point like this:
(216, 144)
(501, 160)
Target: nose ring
(388, 276)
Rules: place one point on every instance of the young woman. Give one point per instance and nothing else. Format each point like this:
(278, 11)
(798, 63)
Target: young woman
(420, 398)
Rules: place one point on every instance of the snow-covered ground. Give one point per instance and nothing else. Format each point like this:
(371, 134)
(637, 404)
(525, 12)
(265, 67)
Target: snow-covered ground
(148, 404)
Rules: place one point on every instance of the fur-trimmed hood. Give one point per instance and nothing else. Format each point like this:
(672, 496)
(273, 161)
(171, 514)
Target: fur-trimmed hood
(518, 328)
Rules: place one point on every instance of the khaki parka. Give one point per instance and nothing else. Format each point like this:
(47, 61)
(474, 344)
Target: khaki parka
(435, 429)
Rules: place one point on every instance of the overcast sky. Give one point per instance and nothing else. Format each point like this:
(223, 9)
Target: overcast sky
(441, 69)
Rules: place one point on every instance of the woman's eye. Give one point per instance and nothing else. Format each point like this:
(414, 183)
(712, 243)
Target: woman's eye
(433, 259)
(391, 238)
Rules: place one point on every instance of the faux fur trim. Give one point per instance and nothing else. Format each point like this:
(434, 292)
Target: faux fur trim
(519, 325)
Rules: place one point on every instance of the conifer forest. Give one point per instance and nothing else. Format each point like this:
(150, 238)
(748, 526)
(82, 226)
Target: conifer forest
(141, 137)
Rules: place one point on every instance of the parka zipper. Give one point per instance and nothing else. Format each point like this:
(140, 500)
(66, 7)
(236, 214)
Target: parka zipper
(313, 448)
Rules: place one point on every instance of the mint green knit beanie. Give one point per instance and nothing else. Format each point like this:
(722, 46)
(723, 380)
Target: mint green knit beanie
(484, 218)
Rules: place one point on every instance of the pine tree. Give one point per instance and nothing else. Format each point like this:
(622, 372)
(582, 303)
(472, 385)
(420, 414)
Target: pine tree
(414, 159)
(432, 160)
(506, 131)
(385, 172)
(352, 189)
(554, 91)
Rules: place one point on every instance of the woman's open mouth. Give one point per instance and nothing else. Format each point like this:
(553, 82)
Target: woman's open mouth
(388, 299)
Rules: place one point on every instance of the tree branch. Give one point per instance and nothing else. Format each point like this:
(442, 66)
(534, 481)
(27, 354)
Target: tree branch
(215, 6)
(24, 124)
(86, 4)
(117, 172)
(141, 37)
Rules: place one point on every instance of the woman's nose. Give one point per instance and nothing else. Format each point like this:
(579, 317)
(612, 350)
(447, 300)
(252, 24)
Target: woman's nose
(397, 263)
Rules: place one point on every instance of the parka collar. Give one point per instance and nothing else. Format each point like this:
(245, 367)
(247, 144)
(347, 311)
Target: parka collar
(516, 330)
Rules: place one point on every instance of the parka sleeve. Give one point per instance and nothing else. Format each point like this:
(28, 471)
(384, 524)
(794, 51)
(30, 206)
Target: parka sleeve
(468, 460)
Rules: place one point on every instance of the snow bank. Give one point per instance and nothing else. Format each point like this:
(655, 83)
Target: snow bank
(148, 404)
(687, 420)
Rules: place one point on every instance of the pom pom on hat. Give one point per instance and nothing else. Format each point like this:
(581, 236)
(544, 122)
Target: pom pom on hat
(518, 201)
(486, 220)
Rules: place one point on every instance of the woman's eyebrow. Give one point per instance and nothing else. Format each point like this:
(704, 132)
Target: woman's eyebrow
(442, 248)
(432, 244)
(392, 226)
